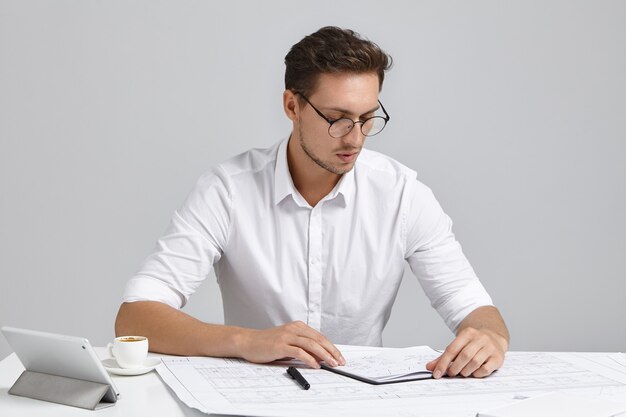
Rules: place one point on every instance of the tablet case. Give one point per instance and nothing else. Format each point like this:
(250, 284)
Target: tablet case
(80, 382)
(63, 390)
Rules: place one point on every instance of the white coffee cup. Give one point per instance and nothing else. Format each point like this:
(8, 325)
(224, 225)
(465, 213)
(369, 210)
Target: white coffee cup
(129, 351)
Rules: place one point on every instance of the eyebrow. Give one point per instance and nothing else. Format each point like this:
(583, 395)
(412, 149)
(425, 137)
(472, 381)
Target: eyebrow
(344, 111)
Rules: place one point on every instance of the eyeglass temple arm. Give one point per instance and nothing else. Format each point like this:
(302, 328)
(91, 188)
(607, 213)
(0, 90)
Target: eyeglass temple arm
(384, 111)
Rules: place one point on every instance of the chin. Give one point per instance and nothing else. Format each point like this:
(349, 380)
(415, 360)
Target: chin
(344, 170)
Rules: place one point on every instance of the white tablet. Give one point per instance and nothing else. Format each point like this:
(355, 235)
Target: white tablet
(55, 354)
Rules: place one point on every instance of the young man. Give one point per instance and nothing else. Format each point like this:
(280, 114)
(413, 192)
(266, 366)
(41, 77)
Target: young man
(309, 237)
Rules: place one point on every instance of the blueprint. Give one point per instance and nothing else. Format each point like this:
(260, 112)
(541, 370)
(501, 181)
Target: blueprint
(233, 386)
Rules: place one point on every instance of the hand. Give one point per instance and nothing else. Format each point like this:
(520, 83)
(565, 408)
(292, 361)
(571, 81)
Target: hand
(293, 340)
(473, 352)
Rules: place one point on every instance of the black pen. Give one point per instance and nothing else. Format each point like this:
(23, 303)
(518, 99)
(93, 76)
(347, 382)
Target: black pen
(295, 374)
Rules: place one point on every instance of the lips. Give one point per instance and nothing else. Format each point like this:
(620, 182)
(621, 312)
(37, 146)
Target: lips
(347, 157)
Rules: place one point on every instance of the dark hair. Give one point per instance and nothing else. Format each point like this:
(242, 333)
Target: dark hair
(332, 50)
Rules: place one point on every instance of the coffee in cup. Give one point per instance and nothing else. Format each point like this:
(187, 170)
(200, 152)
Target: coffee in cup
(129, 351)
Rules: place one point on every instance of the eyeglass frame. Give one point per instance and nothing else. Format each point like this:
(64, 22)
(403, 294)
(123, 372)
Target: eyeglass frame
(331, 121)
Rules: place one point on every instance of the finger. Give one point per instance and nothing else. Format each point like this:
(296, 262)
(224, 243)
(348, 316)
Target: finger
(301, 354)
(449, 355)
(464, 358)
(442, 364)
(304, 330)
(432, 364)
(316, 350)
(335, 355)
(475, 362)
(487, 368)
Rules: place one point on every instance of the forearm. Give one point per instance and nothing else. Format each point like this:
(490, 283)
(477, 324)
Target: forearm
(171, 331)
(487, 318)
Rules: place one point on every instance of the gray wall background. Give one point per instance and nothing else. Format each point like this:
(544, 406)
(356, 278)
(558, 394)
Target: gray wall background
(513, 112)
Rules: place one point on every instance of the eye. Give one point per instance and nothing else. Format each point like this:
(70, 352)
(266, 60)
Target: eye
(336, 116)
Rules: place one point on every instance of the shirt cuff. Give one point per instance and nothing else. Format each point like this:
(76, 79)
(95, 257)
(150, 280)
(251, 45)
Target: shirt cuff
(149, 289)
(472, 296)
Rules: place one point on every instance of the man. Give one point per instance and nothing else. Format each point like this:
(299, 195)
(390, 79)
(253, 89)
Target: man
(309, 237)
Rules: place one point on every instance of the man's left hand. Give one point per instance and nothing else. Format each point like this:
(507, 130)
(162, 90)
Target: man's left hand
(477, 350)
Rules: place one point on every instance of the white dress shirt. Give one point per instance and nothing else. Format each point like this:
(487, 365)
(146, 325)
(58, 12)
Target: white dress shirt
(336, 266)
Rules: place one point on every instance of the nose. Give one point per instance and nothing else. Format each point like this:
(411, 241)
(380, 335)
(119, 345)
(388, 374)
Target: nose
(355, 137)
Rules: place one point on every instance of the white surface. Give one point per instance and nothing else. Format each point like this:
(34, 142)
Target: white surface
(148, 395)
(144, 395)
(236, 387)
(558, 404)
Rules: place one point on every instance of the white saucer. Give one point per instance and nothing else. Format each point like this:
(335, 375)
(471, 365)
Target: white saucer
(113, 368)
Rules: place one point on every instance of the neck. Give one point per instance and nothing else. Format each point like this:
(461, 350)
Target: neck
(312, 181)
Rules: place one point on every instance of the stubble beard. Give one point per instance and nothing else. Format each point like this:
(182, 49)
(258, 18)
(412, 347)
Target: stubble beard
(327, 166)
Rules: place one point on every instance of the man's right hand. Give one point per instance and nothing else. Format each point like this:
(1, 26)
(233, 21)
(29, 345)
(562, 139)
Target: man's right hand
(291, 340)
(174, 332)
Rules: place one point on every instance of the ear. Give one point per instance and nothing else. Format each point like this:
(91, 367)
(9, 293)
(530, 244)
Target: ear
(290, 105)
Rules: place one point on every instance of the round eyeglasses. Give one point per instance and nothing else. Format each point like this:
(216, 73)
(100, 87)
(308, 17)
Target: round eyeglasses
(339, 128)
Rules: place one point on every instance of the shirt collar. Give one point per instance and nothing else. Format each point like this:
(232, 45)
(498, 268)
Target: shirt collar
(283, 183)
(344, 188)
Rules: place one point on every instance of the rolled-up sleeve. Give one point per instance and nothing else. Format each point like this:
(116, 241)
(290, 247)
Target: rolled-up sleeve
(191, 245)
(437, 260)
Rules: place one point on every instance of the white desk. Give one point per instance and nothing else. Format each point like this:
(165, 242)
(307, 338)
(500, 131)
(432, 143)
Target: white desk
(145, 395)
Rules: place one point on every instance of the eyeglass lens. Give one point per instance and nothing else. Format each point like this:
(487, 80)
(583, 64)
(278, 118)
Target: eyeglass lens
(370, 127)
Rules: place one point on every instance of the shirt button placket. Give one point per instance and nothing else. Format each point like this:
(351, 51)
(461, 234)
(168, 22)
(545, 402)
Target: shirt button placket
(315, 268)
